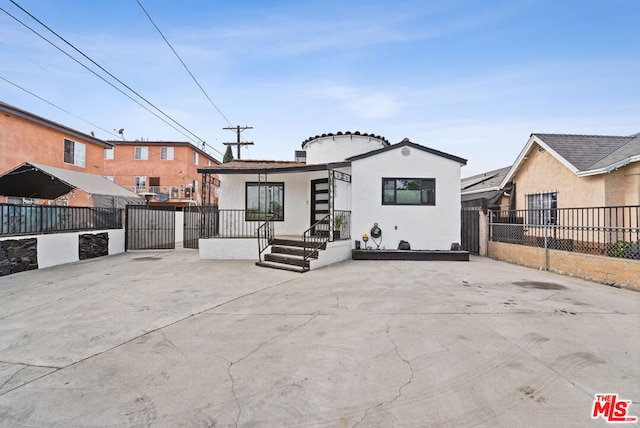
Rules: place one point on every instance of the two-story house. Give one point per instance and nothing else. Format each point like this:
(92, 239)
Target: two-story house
(165, 171)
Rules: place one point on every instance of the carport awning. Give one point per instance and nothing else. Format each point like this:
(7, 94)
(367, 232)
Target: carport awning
(31, 180)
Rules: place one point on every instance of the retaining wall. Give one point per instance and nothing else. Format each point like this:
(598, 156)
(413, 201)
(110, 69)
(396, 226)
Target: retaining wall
(608, 270)
(59, 248)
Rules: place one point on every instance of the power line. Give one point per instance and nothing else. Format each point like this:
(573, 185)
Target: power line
(96, 74)
(56, 106)
(104, 70)
(183, 64)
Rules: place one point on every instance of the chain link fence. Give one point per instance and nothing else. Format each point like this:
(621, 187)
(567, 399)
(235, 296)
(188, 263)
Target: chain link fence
(603, 231)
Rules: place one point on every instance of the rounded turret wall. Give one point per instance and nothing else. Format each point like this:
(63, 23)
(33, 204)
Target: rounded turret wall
(327, 148)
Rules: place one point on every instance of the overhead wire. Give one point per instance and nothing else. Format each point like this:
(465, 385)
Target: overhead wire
(55, 105)
(200, 140)
(97, 75)
(183, 64)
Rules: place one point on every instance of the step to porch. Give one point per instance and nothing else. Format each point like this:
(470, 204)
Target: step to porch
(288, 254)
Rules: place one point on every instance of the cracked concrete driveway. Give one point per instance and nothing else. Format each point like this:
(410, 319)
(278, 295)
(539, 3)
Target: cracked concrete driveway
(165, 339)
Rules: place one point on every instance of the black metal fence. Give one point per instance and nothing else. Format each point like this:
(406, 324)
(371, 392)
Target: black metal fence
(217, 223)
(150, 227)
(609, 231)
(470, 230)
(342, 224)
(41, 219)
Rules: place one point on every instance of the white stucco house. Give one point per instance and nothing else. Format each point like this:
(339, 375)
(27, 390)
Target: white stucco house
(309, 213)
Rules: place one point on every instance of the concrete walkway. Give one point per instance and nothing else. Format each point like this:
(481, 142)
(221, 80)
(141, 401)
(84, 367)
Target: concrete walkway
(165, 339)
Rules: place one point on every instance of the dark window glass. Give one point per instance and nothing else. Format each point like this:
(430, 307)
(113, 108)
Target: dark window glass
(408, 191)
(265, 201)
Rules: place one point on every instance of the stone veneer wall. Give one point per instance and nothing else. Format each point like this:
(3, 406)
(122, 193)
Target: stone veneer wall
(93, 245)
(608, 270)
(18, 255)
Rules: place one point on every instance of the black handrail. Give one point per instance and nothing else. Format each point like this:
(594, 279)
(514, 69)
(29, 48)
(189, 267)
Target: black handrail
(265, 237)
(314, 240)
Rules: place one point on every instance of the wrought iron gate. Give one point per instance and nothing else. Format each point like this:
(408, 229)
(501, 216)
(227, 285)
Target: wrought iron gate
(150, 227)
(192, 220)
(199, 222)
(470, 230)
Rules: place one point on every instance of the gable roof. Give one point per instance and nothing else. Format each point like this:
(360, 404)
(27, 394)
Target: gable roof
(407, 143)
(50, 124)
(584, 154)
(487, 181)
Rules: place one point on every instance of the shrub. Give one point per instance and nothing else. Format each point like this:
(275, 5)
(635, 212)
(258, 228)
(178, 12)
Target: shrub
(619, 248)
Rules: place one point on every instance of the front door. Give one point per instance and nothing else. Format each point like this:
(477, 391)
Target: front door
(319, 199)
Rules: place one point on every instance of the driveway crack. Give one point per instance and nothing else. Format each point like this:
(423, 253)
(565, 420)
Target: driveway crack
(399, 394)
(253, 351)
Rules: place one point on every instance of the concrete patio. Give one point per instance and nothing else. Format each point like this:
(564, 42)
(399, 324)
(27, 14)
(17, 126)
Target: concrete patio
(162, 338)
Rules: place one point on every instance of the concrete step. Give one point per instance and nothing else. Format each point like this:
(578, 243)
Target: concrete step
(280, 266)
(287, 260)
(293, 251)
(295, 243)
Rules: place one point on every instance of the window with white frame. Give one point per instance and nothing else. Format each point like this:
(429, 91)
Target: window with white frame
(195, 158)
(108, 154)
(166, 153)
(408, 191)
(542, 208)
(140, 183)
(74, 153)
(141, 153)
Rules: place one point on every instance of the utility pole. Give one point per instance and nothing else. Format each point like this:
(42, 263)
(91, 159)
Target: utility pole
(239, 143)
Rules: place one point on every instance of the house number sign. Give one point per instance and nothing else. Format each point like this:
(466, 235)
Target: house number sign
(342, 176)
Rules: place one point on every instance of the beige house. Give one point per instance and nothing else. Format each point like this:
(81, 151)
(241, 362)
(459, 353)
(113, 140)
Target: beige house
(570, 171)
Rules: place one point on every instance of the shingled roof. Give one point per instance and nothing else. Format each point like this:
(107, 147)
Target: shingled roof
(584, 154)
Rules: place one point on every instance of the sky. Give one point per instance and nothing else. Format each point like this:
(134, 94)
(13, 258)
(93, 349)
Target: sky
(471, 78)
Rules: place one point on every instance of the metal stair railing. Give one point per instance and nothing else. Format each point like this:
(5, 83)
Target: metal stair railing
(265, 237)
(313, 241)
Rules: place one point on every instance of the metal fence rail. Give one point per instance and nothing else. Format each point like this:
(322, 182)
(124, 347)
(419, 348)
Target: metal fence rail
(41, 219)
(217, 223)
(609, 231)
(342, 224)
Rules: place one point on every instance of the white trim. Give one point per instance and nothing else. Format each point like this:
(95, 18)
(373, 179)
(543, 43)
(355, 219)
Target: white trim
(609, 168)
(523, 154)
(486, 189)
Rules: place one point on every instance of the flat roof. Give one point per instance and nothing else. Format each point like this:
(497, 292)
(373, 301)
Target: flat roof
(262, 166)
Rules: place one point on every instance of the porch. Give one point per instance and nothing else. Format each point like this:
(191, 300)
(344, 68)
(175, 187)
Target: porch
(236, 234)
(291, 213)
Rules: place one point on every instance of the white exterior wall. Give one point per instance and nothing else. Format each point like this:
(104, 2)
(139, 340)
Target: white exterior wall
(297, 197)
(339, 147)
(229, 249)
(179, 222)
(336, 251)
(424, 227)
(60, 248)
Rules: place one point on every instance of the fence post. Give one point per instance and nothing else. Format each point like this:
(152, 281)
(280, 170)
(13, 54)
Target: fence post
(546, 246)
(488, 232)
